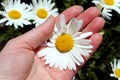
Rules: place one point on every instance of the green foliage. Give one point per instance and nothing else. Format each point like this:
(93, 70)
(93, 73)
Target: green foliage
(98, 66)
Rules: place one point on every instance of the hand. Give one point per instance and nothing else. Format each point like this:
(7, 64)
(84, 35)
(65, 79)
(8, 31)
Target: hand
(18, 60)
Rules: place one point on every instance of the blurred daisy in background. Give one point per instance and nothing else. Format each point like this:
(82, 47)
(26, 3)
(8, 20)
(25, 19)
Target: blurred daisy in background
(106, 6)
(42, 10)
(115, 68)
(67, 46)
(15, 13)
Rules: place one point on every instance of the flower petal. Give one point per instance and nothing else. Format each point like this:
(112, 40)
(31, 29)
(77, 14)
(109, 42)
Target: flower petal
(74, 26)
(85, 35)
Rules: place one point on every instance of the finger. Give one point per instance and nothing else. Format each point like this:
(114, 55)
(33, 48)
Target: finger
(70, 13)
(96, 40)
(95, 25)
(36, 36)
(88, 15)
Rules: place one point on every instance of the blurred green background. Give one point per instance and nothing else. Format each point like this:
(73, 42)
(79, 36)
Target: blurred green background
(98, 66)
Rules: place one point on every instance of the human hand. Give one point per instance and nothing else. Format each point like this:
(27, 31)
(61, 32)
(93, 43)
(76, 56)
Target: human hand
(18, 60)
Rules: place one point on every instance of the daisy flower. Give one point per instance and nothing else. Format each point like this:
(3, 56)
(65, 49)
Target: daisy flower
(107, 6)
(115, 68)
(66, 46)
(15, 13)
(42, 10)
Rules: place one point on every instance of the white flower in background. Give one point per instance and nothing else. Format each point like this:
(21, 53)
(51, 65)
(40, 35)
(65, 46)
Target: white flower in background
(67, 46)
(107, 6)
(15, 13)
(115, 68)
(42, 10)
(111, 4)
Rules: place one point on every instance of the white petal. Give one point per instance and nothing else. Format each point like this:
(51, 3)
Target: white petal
(9, 22)
(50, 6)
(96, 2)
(50, 44)
(3, 20)
(57, 64)
(78, 63)
(112, 75)
(62, 20)
(82, 51)
(3, 13)
(74, 25)
(115, 64)
(84, 46)
(47, 61)
(77, 58)
(53, 60)
(26, 22)
(61, 66)
(54, 12)
(82, 42)
(85, 35)
(71, 64)
(52, 40)
(58, 26)
(76, 34)
(43, 51)
(106, 13)
(63, 24)
(64, 60)
(117, 9)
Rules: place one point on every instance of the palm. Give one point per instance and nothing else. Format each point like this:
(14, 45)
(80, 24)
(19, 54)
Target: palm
(18, 60)
(30, 67)
(40, 71)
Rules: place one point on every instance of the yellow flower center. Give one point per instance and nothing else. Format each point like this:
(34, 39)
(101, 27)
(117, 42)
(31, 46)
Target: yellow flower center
(109, 2)
(14, 14)
(64, 43)
(117, 72)
(42, 13)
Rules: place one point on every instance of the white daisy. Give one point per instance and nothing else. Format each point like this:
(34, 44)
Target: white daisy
(115, 68)
(112, 4)
(42, 10)
(15, 13)
(67, 46)
(107, 6)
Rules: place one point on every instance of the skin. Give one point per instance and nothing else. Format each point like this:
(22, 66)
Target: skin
(18, 60)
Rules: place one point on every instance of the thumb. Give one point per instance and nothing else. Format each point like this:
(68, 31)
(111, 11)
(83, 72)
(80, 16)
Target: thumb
(36, 36)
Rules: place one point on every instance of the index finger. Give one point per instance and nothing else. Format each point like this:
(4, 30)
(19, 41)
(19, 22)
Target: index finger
(70, 13)
(88, 15)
